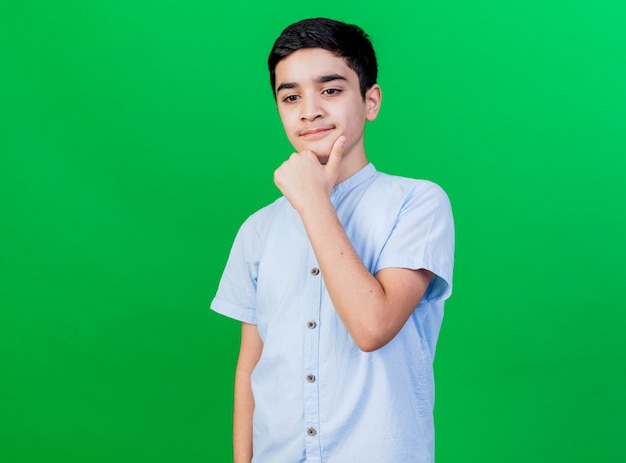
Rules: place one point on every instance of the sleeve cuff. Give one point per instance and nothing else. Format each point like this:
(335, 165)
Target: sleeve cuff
(246, 315)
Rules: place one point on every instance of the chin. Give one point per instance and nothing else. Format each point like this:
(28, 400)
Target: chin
(321, 149)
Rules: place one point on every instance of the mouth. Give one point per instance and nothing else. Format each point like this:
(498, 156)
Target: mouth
(318, 131)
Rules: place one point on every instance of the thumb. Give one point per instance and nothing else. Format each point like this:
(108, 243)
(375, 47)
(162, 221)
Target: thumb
(336, 154)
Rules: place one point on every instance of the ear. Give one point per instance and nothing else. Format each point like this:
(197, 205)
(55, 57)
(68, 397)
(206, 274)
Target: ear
(373, 99)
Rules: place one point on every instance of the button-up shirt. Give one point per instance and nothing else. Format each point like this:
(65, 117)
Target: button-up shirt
(318, 397)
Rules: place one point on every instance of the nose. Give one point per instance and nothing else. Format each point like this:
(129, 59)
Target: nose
(311, 109)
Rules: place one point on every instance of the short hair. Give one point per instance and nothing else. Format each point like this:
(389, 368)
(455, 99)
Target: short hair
(347, 41)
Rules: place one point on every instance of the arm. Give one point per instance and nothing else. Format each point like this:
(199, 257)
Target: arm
(372, 307)
(249, 354)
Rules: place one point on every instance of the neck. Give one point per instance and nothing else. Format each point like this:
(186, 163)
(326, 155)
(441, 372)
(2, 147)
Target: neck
(352, 162)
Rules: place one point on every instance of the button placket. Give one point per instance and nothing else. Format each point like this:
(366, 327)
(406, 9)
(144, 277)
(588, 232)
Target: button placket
(311, 359)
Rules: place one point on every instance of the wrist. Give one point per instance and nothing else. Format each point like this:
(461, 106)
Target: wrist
(318, 206)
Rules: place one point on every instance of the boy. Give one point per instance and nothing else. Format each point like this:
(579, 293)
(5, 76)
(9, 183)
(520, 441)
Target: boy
(340, 283)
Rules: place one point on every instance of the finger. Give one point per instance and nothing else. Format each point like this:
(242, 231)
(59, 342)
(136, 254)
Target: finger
(336, 154)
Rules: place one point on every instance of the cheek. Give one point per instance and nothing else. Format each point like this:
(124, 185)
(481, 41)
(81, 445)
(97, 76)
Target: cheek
(353, 129)
(289, 123)
(352, 119)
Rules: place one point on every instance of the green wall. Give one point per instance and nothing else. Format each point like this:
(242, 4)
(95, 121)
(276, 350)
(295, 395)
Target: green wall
(136, 136)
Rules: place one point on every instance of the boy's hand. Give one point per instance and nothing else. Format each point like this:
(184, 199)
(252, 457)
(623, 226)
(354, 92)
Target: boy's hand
(304, 180)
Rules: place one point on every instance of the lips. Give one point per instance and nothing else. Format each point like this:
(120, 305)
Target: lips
(315, 131)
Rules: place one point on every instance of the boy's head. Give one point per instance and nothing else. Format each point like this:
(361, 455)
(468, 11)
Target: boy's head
(344, 40)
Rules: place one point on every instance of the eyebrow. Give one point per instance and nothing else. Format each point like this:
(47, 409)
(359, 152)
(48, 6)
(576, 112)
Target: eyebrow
(317, 80)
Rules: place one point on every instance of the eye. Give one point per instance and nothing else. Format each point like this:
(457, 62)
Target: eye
(332, 91)
(290, 98)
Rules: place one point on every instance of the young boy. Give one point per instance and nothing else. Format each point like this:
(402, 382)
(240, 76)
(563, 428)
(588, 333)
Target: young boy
(340, 284)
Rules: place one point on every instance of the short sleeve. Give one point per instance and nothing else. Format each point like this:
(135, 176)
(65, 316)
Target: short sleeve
(423, 237)
(236, 293)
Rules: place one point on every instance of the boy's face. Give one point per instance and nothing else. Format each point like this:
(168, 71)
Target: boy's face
(319, 99)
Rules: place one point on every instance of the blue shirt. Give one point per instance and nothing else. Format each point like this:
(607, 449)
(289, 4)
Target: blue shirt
(318, 397)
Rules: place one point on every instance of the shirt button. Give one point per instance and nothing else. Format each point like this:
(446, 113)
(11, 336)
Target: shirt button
(310, 378)
(315, 271)
(310, 324)
(311, 431)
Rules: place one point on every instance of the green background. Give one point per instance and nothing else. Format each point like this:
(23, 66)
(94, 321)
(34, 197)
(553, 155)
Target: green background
(136, 136)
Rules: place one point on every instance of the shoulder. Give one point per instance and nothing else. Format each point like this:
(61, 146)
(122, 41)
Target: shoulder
(410, 190)
(257, 225)
(408, 184)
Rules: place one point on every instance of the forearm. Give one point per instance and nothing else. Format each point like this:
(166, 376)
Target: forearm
(249, 354)
(358, 296)
(242, 418)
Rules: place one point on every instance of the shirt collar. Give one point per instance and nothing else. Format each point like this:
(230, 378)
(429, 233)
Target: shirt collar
(362, 175)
